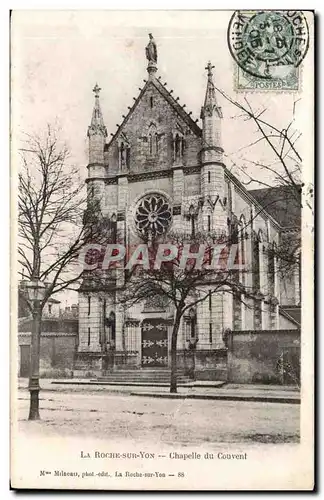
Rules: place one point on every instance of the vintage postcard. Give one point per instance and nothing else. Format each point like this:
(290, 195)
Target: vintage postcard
(162, 250)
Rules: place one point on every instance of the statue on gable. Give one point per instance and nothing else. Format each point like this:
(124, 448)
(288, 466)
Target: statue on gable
(151, 50)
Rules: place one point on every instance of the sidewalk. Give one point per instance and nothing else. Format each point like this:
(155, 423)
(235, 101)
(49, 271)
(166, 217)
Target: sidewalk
(198, 390)
(229, 393)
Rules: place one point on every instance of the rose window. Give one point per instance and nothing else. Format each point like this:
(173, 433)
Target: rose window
(153, 215)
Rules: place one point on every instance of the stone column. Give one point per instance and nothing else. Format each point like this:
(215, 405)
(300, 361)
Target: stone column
(178, 191)
(217, 319)
(243, 308)
(227, 310)
(119, 327)
(121, 221)
(249, 260)
(95, 323)
(263, 269)
(83, 322)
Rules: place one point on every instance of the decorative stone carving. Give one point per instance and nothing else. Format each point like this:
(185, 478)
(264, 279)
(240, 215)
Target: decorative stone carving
(178, 145)
(124, 153)
(151, 50)
(153, 215)
(156, 303)
(189, 204)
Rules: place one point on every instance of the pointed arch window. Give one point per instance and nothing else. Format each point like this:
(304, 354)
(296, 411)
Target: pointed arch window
(271, 268)
(233, 228)
(256, 261)
(242, 246)
(153, 140)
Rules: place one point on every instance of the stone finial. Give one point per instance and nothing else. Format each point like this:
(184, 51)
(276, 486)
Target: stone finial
(96, 90)
(209, 68)
(97, 125)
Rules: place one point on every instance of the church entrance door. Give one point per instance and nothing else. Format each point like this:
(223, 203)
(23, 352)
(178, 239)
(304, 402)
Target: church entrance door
(154, 343)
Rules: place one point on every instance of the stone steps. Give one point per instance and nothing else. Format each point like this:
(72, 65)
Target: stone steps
(141, 376)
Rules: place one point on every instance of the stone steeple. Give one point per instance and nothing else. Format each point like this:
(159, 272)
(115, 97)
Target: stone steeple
(97, 125)
(211, 115)
(212, 173)
(97, 131)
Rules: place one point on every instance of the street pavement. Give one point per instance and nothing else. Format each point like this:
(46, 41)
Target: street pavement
(199, 390)
(97, 411)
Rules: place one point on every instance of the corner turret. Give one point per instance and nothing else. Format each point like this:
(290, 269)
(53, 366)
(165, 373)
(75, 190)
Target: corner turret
(97, 132)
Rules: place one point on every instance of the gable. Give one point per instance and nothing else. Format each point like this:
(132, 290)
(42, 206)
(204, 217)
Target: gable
(149, 131)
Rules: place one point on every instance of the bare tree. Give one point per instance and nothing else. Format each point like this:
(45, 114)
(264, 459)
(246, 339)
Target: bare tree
(183, 287)
(285, 165)
(282, 170)
(51, 232)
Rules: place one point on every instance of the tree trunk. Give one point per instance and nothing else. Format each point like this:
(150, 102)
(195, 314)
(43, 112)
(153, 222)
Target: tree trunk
(34, 364)
(174, 337)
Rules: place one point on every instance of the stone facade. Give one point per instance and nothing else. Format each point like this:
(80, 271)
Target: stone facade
(159, 150)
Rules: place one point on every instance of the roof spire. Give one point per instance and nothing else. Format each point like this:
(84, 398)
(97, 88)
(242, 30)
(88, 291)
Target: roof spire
(97, 123)
(210, 98)
(210, 103)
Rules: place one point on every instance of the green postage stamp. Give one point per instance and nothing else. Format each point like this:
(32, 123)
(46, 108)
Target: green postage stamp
(268, 48)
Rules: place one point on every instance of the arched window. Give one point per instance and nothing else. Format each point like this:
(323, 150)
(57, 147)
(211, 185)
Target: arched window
(242, 248)
(271, 268)
(256, 261)
(233, 229)
(153, 140)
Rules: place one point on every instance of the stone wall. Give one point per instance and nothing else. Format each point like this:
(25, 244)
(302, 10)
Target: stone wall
(264, 357)
(57, 353)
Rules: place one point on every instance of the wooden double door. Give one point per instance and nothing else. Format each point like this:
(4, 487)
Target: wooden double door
(154, 343)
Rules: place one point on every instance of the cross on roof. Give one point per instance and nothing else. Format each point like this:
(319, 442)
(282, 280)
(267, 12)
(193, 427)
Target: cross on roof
(209, 67)
(96, 89)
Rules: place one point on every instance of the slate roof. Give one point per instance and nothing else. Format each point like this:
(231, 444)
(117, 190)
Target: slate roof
(293, 313)
(282, 203)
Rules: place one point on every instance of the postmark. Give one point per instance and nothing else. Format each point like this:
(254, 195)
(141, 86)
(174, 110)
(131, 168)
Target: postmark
(268, 48)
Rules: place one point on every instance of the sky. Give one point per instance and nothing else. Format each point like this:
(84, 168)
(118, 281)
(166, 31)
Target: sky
(58, 56)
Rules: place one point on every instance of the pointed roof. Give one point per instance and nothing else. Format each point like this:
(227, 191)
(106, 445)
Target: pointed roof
(210, 103)
(169, 98)
(97, 122)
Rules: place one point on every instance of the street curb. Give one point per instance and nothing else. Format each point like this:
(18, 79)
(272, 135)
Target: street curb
(134, 384)
(220, 397)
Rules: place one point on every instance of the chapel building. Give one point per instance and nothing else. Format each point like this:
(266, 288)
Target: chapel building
(163, 171)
